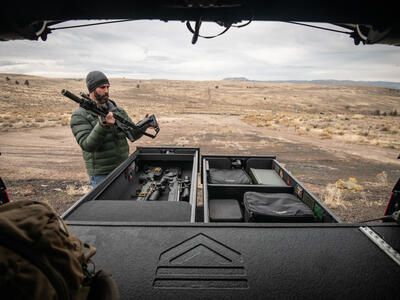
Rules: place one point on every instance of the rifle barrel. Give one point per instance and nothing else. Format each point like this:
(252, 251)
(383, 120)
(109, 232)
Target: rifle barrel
(71, 96)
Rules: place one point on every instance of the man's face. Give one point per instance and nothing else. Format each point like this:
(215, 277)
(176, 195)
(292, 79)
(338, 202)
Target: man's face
(101, 93)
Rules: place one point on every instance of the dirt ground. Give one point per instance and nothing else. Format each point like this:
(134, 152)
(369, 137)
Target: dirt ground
(41, 160)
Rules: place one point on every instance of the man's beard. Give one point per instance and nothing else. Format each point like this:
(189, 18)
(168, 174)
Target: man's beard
(101, 99)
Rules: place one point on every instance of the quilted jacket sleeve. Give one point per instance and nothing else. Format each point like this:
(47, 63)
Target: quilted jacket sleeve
(87, 136)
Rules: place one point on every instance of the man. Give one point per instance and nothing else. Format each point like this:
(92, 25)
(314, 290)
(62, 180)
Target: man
(103, 144)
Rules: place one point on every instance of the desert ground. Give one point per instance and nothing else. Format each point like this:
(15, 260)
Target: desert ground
(341, 142)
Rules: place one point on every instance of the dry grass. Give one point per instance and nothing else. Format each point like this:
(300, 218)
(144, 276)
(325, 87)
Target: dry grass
(382, 179)
(351, 185)
(344, 194)
(336, 194)
(8, 120)
(381, 131)
(333, 197)
(73, 190)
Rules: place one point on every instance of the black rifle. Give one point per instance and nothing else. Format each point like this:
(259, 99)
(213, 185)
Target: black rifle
(185, 187)
(151, 188)
(174, 186)
(178, 189)
(155, 180)
(131, 130)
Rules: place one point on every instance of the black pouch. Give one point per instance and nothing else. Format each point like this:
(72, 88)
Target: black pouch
(278, 207)
(229, 176)
(225, 210)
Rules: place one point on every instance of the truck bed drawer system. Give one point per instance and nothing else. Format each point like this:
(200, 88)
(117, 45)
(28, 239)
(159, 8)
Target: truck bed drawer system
(257, 233)
(280, 196)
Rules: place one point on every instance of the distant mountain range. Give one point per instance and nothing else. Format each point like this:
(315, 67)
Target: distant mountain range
(238, 79)
(385, 84)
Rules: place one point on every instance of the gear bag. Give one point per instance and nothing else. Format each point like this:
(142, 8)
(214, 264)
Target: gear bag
(40, 258)
(275, 207)
(229, 176)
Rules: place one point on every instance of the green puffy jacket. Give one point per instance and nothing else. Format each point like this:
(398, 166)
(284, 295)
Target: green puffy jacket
(104, 148)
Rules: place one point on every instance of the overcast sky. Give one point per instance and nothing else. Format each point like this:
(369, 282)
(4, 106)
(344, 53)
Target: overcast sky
(154, 49)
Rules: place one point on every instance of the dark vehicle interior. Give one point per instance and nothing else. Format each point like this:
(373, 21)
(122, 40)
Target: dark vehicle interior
(365, 24)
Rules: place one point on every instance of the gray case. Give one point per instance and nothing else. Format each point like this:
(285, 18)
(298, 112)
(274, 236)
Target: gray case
(266, 177)
(225, 210)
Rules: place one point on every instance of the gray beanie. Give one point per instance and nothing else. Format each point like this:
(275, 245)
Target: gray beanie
(95, 79)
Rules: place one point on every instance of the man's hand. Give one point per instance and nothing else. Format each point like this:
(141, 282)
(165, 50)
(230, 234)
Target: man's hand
(108, 120)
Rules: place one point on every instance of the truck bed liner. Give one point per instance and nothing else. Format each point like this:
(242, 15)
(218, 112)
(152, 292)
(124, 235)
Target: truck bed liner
(250, 261)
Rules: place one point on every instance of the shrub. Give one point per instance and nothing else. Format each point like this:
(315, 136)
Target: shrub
(385, 128)
(382, 179)
(351, 184)
(65, 120)
(325, 135)
(333, 196)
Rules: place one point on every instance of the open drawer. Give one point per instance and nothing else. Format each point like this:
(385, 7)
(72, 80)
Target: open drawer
(256, 189)
(152, 185)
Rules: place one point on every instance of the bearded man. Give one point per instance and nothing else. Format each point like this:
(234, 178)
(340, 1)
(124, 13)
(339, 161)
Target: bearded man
(104, 145)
